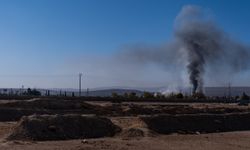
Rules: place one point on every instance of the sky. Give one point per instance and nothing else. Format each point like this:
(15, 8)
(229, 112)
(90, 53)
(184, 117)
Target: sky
(46, 43)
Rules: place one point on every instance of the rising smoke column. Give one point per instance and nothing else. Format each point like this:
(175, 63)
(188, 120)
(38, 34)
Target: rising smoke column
(200, 45)
(200, 40)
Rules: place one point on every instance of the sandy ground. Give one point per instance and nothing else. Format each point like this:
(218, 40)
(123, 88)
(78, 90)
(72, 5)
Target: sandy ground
(225, 141)
(147, 141)
(150, 141)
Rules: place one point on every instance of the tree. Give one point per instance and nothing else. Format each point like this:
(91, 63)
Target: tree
(132, 95)
(115, 95)
(126, 95)
(199, 95)
(116, 98)
(148, 95)
(179, 96)
(244, 96)
(159, 95)
(33, 92)
(29, 91)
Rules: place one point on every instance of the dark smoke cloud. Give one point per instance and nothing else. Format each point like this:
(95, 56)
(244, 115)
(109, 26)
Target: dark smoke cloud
(198, 44)
(200, 39)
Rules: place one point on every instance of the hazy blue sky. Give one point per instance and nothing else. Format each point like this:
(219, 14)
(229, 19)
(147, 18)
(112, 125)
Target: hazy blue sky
(45, 43)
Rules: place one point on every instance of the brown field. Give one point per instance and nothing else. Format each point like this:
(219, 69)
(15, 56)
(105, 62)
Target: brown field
(228, 128)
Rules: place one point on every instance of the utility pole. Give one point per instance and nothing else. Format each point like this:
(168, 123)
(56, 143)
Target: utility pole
(87, 92)
(80, 84)
(22, 90)
(229, 90)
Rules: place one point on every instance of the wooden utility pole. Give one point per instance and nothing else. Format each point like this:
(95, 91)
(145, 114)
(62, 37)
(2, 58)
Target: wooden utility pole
(80, 84)
(229, 91)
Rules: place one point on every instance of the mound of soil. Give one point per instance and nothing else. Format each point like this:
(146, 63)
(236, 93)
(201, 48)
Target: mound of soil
(15, 114)
(14, 110)
(62, 127)
(172, 109)
(193, 123)
(53, 104)
(132, 132)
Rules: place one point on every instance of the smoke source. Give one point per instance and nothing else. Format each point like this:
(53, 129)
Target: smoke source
(200, 39)
(199, 44)
(205, 44)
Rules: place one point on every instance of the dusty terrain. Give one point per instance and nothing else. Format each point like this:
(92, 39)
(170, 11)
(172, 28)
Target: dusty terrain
(135, 134)
(153, 141)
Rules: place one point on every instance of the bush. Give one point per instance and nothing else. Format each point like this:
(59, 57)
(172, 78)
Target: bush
(115, 95)
(148, 95)
(125, 95)
(159, 95)
(179, 96)
(33, 92)
(132, 95)
(199, 95)
(244, 96)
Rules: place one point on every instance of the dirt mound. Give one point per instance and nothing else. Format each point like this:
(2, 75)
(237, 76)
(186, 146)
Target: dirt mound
(45, 103)
(62, 127)
(194, 123)
(14, 110)
(132, 132)
(172, 109)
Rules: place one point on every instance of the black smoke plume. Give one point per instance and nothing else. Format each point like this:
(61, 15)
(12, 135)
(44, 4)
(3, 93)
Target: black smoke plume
(200, 39)
(199, 44)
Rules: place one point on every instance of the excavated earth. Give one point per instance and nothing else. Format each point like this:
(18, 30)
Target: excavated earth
(75, 124)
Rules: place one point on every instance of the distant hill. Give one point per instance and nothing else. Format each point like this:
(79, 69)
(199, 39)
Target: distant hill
(69, 92)
(209, 91)
(225, 91)
(108, 92)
